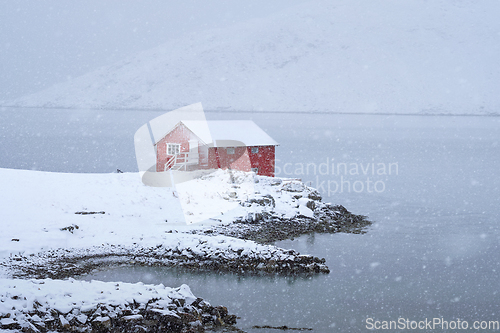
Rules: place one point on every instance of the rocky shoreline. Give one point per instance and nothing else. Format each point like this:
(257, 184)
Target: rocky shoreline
(150, 308)
(266, 222)
(60, 264)
(267, 228)
(133, 317)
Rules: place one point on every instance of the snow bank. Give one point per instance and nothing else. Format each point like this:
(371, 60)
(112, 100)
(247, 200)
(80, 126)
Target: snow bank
(47, 305)
(64, 296)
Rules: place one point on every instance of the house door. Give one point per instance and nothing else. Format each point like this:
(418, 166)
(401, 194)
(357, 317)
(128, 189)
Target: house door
(193, 156)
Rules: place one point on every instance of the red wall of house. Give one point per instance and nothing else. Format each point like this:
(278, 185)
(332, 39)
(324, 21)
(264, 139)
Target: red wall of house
(264, 160)
(243, 159)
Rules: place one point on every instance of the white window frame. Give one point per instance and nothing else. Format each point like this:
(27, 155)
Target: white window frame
(230, 150)
(255, 150)
(173, 148)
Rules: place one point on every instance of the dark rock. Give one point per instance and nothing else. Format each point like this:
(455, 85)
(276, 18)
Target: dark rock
(10, 324)
(265, 200)
(101, 323)
(139, 329)
(186, 318)
(311, 205)
(71, 228)
(314, 195)
(89, 213)
(293, 186)
(30, 328)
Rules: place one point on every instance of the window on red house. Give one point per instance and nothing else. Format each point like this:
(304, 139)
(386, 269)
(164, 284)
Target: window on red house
(173, 148)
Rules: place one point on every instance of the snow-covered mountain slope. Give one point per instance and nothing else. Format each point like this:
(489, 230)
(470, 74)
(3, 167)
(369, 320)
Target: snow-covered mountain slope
(342, 56)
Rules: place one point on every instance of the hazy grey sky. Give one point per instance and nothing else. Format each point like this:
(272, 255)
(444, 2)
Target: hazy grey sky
(45, 42)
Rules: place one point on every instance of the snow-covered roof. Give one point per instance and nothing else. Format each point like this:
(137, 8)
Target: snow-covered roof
(230, 133)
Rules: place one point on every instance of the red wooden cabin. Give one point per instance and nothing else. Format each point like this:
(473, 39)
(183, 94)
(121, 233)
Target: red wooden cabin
(235, 144)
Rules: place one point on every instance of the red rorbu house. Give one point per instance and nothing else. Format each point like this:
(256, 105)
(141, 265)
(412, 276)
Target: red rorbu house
(222, 144)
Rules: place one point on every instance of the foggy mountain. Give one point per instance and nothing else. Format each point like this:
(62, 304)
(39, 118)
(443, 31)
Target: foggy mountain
(376, 56)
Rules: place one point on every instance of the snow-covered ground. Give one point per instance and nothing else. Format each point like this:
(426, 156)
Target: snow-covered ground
(37, 205)
(44, 210)
(343, 56)
(81, 215)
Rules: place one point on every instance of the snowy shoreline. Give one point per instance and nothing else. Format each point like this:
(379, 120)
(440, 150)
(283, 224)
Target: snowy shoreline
(80, 306)
(206, 253)
(75, 223)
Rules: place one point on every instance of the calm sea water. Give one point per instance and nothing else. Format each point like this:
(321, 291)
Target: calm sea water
(433, 251)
